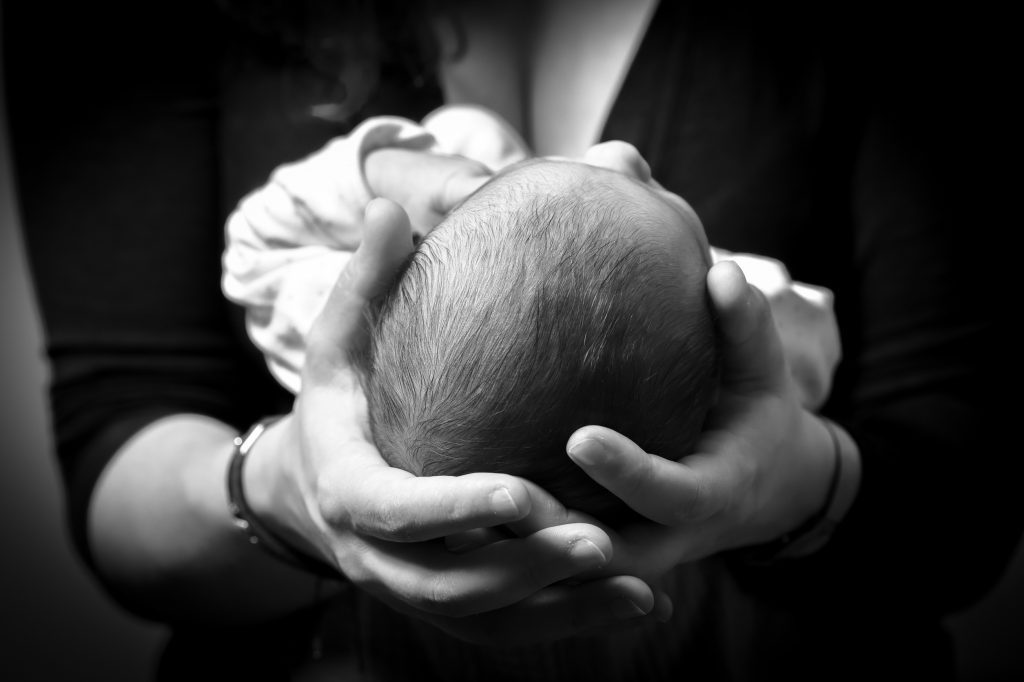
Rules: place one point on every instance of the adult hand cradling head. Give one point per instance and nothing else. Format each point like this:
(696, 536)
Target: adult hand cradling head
(371, 520)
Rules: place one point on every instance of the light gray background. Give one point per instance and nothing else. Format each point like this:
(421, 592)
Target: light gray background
(55, 624)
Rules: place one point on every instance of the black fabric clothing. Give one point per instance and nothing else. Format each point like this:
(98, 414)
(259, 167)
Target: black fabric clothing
(838, 150)
(841, 153)
(130, 148)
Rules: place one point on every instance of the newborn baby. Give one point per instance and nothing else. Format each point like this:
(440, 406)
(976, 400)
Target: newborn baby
(557, 295)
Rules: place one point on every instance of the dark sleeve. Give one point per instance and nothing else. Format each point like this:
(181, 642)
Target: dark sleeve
(113, 112)
(939, 507)
(925, 370)
(865, 154)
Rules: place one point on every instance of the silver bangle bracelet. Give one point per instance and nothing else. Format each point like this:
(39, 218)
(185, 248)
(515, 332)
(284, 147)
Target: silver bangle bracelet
(245, 519)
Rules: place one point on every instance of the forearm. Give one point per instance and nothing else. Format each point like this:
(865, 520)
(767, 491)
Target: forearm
(163, 538)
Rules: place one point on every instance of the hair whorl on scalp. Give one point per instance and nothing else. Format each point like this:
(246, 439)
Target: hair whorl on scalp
(528, 315)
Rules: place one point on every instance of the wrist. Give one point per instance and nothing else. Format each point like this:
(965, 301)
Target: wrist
(834, 499)
(823, 467)
(164, 538)
(849, 483)
(273, 500)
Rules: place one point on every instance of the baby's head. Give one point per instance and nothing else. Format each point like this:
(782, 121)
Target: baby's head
(558, 295)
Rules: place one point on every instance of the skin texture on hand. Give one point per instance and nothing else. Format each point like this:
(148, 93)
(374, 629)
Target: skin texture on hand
(760, 468)
(376, 523)
(804, 317)
(335, 494)
(762, 465)
(802, 313)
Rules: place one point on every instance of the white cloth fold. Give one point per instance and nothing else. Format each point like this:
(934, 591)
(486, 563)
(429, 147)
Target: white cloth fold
(289, 240)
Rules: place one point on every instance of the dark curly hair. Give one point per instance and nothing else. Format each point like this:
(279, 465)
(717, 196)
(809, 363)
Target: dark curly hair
(354, 44)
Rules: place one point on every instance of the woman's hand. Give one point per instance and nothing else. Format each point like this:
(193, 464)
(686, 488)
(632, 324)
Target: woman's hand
(381, 526)
(761, 467)
(802, 313)
(804, 317)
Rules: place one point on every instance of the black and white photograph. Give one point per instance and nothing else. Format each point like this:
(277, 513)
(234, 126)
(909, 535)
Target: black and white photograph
(483, 341)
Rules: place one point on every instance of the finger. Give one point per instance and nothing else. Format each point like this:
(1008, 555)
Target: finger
(619, 156)
(660, 489)
(557, 612)
(770, 275)
(546, 511)
(433, 580)
(384, 502)
(752, 355)
(361, 491)
(475, 538)
(340, 327)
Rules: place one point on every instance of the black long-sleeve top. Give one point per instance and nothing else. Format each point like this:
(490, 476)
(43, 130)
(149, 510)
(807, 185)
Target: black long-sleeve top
(856, 149)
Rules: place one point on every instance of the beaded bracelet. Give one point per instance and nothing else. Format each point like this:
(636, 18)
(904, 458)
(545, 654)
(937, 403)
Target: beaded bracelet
(246, 519)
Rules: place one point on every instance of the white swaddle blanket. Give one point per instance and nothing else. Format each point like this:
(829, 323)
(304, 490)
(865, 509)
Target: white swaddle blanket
(289, 240)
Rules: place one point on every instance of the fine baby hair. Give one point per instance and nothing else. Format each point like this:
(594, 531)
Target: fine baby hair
(558, 295)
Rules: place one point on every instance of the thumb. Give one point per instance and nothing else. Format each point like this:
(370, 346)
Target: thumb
(340, 329)
(752, 355)
(619, 156)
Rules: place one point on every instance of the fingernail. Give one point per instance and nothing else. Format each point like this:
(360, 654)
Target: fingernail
(588, 452)
(503, 504)
(587, 550)
(625, 609)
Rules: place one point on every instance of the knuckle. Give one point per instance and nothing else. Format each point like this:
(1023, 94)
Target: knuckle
(320, 355)
(700, 504)
(330, 506)
(367, 516)
(390, 523)
(441, 597)
(637, 476)
(745, 489)
(691, 506)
